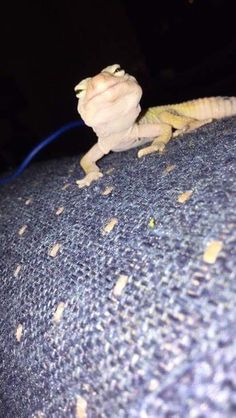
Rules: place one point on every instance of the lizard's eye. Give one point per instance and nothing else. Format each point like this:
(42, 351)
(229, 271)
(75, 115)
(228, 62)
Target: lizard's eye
(79, 93)
(119, 72)
(80, 89)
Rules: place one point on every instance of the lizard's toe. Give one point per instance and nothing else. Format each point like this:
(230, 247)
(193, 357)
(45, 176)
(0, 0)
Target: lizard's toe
(151, 149)
(191, 127)
(88, 179)
(179, 132)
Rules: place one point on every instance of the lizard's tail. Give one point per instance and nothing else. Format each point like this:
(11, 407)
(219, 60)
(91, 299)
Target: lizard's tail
(211, 107)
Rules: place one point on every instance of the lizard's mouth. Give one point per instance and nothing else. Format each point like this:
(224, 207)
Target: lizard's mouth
(116, 82)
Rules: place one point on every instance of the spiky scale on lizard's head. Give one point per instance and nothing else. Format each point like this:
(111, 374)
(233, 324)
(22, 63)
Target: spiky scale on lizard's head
(114, 69)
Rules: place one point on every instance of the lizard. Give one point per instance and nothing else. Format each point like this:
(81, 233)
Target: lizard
(109, 102)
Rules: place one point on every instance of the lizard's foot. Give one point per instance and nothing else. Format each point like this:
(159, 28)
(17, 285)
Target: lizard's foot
(179, 132)
(191, 127)
(152, 148)
(87, 180)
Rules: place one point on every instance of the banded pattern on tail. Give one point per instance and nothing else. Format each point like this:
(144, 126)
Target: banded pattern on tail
(209, 107)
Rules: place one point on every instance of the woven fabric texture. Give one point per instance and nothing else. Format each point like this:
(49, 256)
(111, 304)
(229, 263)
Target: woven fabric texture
(119, 300)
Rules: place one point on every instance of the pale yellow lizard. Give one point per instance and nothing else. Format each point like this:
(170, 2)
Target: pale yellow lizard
(109, 103)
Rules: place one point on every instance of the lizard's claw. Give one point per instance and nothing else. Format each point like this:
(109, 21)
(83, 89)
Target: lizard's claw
(87, 180)
(152, 148)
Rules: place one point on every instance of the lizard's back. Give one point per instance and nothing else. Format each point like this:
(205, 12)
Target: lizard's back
(209, 107)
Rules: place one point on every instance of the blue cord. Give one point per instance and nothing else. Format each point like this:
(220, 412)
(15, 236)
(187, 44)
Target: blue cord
(38, 148)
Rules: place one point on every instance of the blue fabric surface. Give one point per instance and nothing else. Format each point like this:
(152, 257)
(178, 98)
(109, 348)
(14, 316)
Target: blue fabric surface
(164, 347)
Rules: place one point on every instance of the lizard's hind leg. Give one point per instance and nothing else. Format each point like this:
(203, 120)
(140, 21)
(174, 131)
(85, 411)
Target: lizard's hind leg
(195, 124)
(181, 123)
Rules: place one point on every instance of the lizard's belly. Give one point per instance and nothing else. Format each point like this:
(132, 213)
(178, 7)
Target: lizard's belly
(121, 141)
(132, 143)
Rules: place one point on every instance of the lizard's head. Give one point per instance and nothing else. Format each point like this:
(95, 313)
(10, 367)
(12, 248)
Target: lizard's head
(108, 77)
(110, 95)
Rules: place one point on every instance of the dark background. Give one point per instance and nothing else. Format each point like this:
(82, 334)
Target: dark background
(177, 49)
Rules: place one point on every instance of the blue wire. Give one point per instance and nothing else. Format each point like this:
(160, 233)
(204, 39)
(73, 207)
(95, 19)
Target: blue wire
(38, 148)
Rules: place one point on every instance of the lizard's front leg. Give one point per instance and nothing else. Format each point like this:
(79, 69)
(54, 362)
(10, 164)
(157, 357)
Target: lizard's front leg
(88, 164)
(161, 132)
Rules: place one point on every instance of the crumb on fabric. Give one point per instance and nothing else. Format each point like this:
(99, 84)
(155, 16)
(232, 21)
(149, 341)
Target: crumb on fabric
(58, 312)
(54, 250)
(169, 168)
(107, 191)
(17, 270)
(59, 210)
(65, 186)
(134, 359)
(179, 316)
(81, 407)
(28, 201)
(22, 230)
(110, 170)
(183, 197)
(153, 385)
(39, 414)
(212, 251)
(109, 226)
(120, 285)
(151, 223)
(19, 332)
